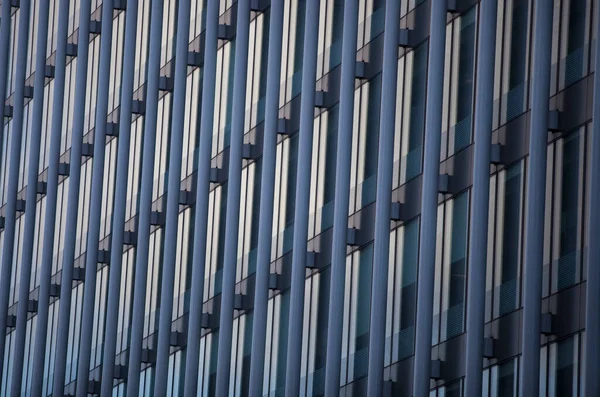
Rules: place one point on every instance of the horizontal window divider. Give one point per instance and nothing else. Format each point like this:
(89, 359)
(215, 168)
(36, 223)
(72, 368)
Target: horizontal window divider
(49, 71)
(554, 121)
(406, 38)
(95, 26)
(165, 83)
(64, 169)
(103, 256)
(32, 306)
(21, 204)
(226, 32)
(87, 150)
(496, 157)
(28, 91)
(42, 187)
(177, 339)
(71, 50)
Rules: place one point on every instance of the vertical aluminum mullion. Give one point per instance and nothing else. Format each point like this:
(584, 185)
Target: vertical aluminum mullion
(91, 258)
(481, 196)
(342, 195)
(4, 51)
(429, 200)
(233, 197)
(592, 315)
(145, 201)
(66, 283)
(13, 176)
(265, 225)
(51, 199)
(536, 185)
(31, 196)
(5, 24)
(172, 209)
(304, 165)
(385, 164)
(120, 203)
(202, 198)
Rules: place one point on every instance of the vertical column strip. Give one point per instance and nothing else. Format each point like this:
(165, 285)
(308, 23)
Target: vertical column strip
(172, 209)
(120, 203)
(265, 223)
(31, 195)
(342, 195)
(535, 204)
(233, 196)
(93, 232)
(307, 118)
(66, 283)
(13, 175)
(145, 201)
(592, 316)
(202, 198)
(57, 103)
(481, 196)
(5, 23)
(385, 164)
(429, 202)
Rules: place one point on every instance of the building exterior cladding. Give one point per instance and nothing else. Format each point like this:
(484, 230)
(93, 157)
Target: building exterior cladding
(299, 197)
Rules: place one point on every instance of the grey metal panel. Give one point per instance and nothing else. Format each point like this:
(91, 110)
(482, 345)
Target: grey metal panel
(384, 198)
(172, 210)
(145, 200)
(39, 356)
(202, 198)
(592, 315)
(121, 185)
(13, 170)
(31, 196)
(429, 203)
(342, 197)
(93, 232)
(307, 111)
(535, 204)
(480, 193)
(233, 197)
(73, 201)
(265, 225)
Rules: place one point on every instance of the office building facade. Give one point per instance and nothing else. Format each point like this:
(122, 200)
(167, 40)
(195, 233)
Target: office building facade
(299, 198)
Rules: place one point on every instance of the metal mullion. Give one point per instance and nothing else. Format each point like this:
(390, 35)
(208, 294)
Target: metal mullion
(120, 203)
(5, 45)
(14, 170)
(478, 240)
(592, 316)
(535, 211)
(169, 261)
(342, 197)
(267, 190)
(301, 210)
(31, 197)
(5, 28)
(385, 172)
(233, 197)
(96, 200)
(202, 199)
(73, 199)
(429, 203)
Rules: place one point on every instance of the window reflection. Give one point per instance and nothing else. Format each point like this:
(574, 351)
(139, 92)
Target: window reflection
(563, 368)
(455, 265)
(568, 210)
(508, 239)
